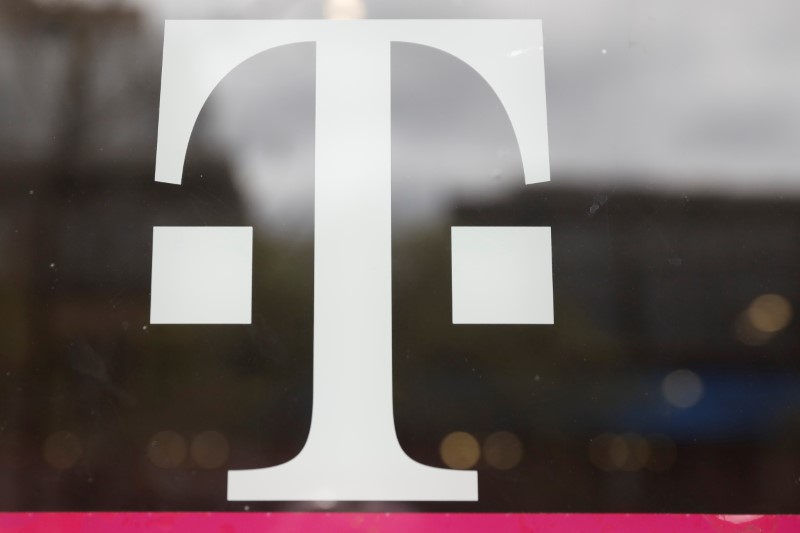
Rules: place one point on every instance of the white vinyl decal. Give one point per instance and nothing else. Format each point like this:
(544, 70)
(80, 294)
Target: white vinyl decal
(352, 452)
(202, 275)
(502, 275)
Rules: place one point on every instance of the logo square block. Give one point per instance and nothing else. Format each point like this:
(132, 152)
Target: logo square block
(502, 275)
(202, 275)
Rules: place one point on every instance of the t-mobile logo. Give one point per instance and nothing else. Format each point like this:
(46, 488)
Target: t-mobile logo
(501, 275)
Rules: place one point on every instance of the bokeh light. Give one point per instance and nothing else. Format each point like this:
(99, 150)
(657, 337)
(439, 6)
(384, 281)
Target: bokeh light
(167, 449)
(763, 319)
(502, 450)
(345, 9)
(631, 452)
(770, 313)
(460, 450)
(210, 449)
(682, 388)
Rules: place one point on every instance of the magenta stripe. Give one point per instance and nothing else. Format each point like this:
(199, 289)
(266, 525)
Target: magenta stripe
(390, 523)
